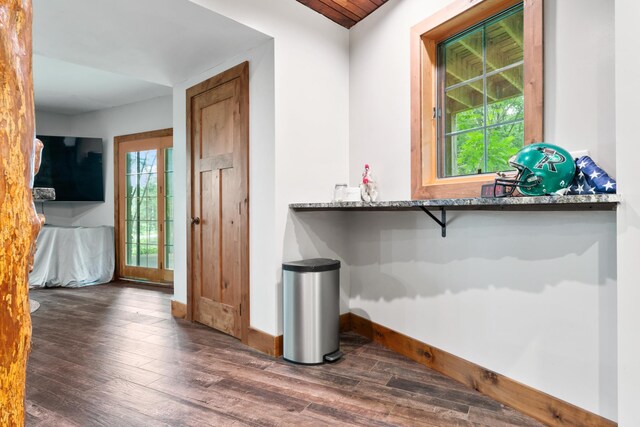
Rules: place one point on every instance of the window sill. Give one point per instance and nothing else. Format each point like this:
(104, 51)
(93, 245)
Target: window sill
(462, 187)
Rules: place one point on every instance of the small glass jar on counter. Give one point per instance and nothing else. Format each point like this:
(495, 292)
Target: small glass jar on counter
(339, 192)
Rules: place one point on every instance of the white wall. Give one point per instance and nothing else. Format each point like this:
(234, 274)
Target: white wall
(52, 123)
(320, 235)
(310, 154)
(529, 295)
(627, 112)
(142, 116)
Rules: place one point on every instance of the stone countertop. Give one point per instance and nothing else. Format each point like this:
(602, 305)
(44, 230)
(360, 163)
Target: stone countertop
(582, 202)
(41, 194)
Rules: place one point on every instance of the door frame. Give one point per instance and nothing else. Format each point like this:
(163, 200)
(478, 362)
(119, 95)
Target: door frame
(241, 72)
(117, 140)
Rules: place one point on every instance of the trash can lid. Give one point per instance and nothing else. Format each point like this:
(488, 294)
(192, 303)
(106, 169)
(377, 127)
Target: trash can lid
(314, 265)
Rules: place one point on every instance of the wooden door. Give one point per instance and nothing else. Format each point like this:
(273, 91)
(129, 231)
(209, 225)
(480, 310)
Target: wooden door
(144, 205)
(219, 151)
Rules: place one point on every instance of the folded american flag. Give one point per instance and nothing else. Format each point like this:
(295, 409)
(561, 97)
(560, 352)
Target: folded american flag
(590, 179)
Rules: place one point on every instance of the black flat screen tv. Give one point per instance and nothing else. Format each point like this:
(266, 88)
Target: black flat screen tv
(73, 167)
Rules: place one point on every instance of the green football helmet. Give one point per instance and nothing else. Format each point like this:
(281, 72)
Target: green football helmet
(542, 169)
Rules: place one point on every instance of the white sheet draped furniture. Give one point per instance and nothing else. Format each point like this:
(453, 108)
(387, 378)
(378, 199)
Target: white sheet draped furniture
(73, 257)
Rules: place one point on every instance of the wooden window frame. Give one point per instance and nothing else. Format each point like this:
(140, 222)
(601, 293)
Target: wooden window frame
(425, 37)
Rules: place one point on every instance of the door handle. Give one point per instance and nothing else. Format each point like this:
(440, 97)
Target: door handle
(195, 221)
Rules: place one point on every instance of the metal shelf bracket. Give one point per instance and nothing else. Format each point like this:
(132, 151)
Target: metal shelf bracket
(442, 222)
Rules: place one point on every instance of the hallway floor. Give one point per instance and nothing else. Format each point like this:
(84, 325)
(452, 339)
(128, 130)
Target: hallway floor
(112, 355)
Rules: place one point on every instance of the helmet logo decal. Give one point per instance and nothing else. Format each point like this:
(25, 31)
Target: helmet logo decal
(551, 159)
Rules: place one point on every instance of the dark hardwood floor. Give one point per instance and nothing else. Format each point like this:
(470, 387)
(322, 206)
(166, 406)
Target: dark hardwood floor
(112, 355)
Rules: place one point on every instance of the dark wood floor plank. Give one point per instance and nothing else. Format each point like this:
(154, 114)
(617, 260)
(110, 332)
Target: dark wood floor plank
(112, 355)
(279, 399)
(96, 353)
(350, 343)
(184, 341)
(107, 341)
(166, 408)
(317, 376)
(508, 418)
(350, 367)
(416, 373)
(72, 375)
(78, 406)
(260, 414)
(119, 302)
(114, 297)
(103, 309)
(419, 401)
(470, 397)
(143, 289)
(103, 369)
(376, 351)
(404, 414)
(251, 358)
(333, 415)
(90, 333)
(36, 415)
(295, 387)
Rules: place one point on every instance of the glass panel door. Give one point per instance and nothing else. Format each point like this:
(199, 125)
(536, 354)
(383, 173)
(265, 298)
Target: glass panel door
(141, 239)
(168, 209)
(145, 209)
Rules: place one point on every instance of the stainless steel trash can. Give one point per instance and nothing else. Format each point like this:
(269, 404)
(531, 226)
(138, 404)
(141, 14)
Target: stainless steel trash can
(311, 292)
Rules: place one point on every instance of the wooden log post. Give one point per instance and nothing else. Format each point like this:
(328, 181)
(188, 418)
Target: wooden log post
(19, 222)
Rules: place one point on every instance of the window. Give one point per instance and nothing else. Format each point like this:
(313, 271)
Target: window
(476, 93)
(481, 97)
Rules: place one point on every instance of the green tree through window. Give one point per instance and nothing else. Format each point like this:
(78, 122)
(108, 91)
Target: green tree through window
(481, 100)
(142, 216)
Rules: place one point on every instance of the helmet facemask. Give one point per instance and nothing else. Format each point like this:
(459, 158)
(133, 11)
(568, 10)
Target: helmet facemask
(525, 178)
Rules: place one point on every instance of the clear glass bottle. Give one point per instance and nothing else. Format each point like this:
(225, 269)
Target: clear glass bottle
(339, 192)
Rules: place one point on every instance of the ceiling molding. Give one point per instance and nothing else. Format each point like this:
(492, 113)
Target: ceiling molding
(344, 12)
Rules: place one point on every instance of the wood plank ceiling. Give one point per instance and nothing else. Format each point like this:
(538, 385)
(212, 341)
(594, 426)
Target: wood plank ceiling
(344, 12)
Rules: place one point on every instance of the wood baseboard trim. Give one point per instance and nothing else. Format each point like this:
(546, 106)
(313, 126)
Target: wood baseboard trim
(345, 322)
(272, 346)
(265, 343)
(178, 309)
(539, 405)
